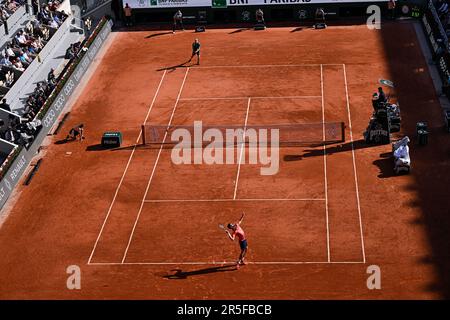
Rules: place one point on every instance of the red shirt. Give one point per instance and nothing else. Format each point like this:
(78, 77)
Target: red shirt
(239, 233)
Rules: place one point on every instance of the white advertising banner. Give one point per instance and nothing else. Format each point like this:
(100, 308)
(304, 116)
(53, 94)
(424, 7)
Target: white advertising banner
(231, 3)
(141, 4)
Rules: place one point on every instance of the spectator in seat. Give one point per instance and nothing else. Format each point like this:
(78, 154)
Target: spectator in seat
(24, 58)
(53, 23)
(6, 77)
(4, 105)
(12, 136)
(70, 54)
(4, 61)
(18, 65)
(9, 51)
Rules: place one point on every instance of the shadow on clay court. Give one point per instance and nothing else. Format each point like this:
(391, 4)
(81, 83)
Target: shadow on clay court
(239, 30)
(64, 141)
(157, 34)
(346, 147)
(297, 29)
(181, 65)
(429, 178)
(96, 147)
(179, 274)
(386, 165)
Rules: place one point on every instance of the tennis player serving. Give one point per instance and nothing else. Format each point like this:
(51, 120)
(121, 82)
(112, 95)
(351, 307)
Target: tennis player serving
(239, 232)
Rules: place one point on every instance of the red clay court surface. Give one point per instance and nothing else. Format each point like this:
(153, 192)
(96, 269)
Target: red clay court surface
(140, 226)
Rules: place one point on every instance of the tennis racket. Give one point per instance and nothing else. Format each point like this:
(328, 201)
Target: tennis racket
(221, 226)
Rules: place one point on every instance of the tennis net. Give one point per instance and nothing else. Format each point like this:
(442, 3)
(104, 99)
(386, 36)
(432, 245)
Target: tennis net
(286, 134)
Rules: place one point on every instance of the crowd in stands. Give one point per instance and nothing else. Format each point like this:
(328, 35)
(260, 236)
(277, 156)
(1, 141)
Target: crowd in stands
(442, 9)
(8, 7)
(22, 130)
(73, 50)
(6, 77)
(17, 55)
(37, 99)
(29, 41)
(26, 44)
(17, 130)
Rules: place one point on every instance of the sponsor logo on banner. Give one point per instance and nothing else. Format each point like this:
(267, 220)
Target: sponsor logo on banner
(18, 168)
(141, 4)
(167, 3)
(171, 3)
(281, 2)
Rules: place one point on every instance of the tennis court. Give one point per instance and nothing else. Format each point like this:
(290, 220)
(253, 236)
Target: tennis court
(293, 216)
(133, 220)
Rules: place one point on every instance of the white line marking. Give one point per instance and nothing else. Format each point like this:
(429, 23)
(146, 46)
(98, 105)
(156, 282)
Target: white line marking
(354, 165)
(244, 98)
(154, 167)
(126, 169)
(227, 200)
(242, 150)
(222, 263)
(267, 66)
(325, 164)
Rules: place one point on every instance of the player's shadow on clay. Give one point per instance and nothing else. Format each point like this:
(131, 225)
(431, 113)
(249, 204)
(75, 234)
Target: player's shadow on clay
(345, 147)
(181, 65)
(179, 274)
(64, 141)
(386, 165)
(239, 30)
(157, 34)
(297, 29)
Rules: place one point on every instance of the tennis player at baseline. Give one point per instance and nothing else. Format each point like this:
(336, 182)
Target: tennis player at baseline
(195, 50)
(239, 232)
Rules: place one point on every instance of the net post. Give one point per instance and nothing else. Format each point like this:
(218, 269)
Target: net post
(343, 131)
(143, 134)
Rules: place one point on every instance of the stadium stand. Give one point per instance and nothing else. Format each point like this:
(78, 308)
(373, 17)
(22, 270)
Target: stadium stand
(49, 93)
(16, 56)
(30, 57)
(8, 8)
(436, 22)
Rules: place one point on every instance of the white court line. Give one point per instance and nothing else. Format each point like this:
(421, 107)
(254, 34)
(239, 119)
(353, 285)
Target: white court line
(126, 169)
(229, 200)
(242, 150)
(268, 66)
(154, 167)
(245, 98)
(222, 263)
(325, 164)
(354, 165)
